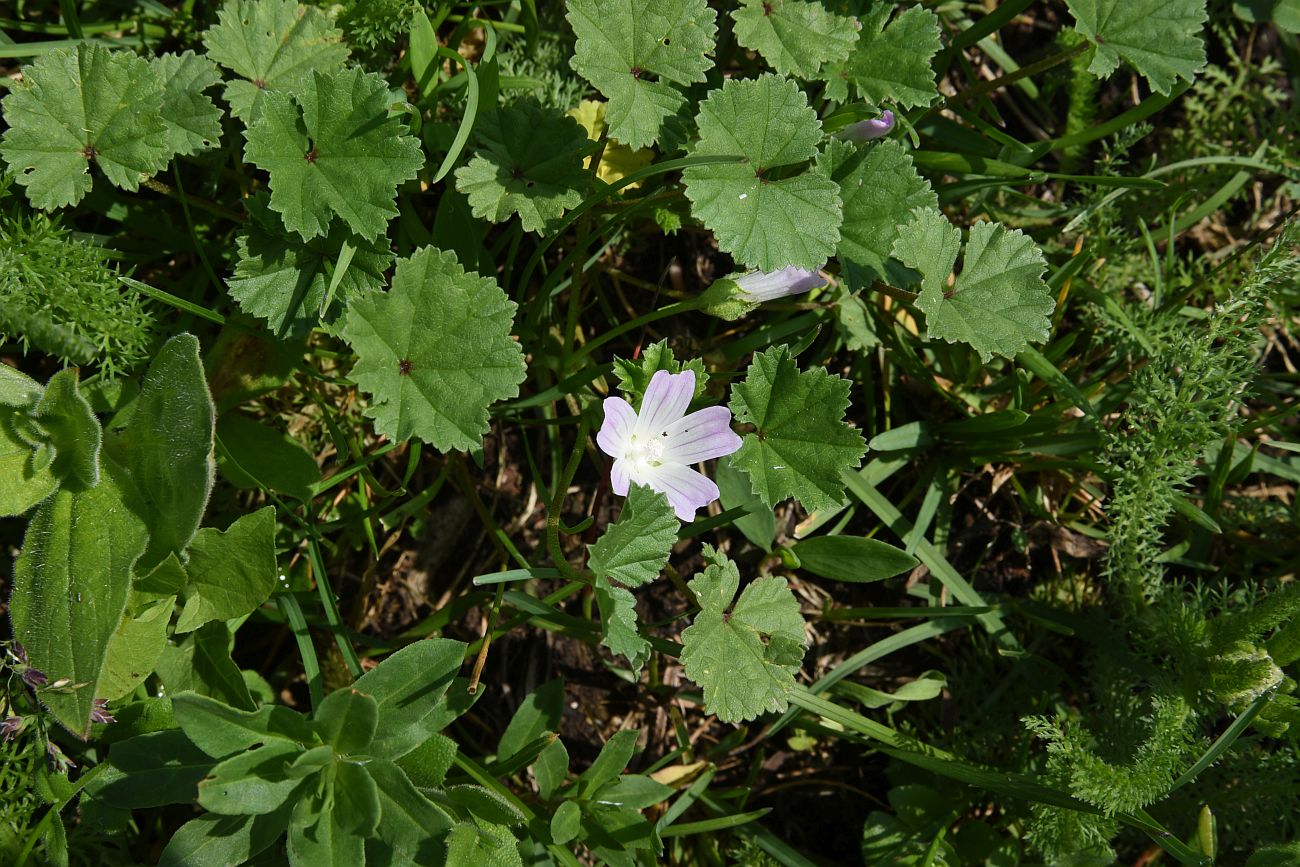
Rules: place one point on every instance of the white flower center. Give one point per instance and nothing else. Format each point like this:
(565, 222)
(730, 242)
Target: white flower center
(645, 451)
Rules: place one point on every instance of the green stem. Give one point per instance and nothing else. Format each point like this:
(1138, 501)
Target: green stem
(557, 504)
(1001, 81)
(633, 324)
(292, 611)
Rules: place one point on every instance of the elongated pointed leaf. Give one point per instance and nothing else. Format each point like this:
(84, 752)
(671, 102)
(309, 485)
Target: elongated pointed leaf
(70, 591)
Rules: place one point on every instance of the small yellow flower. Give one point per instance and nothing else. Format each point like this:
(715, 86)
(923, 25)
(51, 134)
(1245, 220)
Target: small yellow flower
(619, 160)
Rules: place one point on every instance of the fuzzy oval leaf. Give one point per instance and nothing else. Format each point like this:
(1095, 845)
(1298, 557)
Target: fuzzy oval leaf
(161, 449)
(409, 687)
(852, 558)
(766, 217)
(347, 719)
(70, 590)
(797, 37)
(745, 655)
(220, 730)
(802, 444)
(79, 105)
(434, 352)
(265, 457)
(71, 430)
(635, 51)
(332, 149)
(253, 782)
(271, 45)
(529, 164)
(135, 647)
(998, 303)
(1160, 38)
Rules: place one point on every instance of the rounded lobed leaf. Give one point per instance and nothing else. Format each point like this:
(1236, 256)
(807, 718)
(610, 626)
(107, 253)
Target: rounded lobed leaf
(434, 352)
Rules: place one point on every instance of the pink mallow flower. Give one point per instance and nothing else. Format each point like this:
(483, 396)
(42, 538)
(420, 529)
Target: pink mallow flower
(759, 286)
(657, 446)
(866, 130)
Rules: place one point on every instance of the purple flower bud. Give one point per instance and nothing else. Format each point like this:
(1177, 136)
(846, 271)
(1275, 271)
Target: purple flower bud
(11, 726)
(34, 678)
(866, 130)
(757, 286)
(58, 760)
(99, 712)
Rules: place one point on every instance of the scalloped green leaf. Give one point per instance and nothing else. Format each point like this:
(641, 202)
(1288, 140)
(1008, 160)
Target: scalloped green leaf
(285, 280)
(743, 652)
(801, 446)
(193, 120)
(434, 352)
(998, 303)
(634, 374)
(272, 45)
(635, 548)
(638, 53)
(796, 37)
(1161, 39)
(332, 149)
(769, 211)
(880, 188)
(82, 105)
(529, 164)
(891, 63)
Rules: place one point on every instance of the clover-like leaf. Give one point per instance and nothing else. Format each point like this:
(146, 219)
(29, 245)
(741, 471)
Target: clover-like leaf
(892, 63)
(285, 280)
(434, 352)
(271, 45)
(1160, 38)
(998, 303)
(880, 189)
(801, 445)
(634, 51)
(193, 120)
(765, 211)
(635, 548)
(797, 37)
(744, 655)
(331, 149)
(82, 105)
(529, 163)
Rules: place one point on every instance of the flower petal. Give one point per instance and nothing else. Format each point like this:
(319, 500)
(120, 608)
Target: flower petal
(700, 436)
(759, 286)
(665, 401)
(686, 489)
(618, 477)
(620, 420)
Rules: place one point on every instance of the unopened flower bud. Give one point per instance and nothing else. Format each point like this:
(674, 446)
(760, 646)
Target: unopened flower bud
(866, 130)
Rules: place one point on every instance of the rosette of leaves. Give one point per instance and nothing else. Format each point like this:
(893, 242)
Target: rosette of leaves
(639, 54)
(434, 352)
(332, 150)
(272, 45)
(529, 164)
(998, 303)
(340, 786)
(773, 207)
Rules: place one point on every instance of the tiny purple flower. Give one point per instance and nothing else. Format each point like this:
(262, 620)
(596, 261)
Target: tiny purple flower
(11, 726)
(99, 712)
(34, 678)
(866, 130)
(758, 286)
(657, 446)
